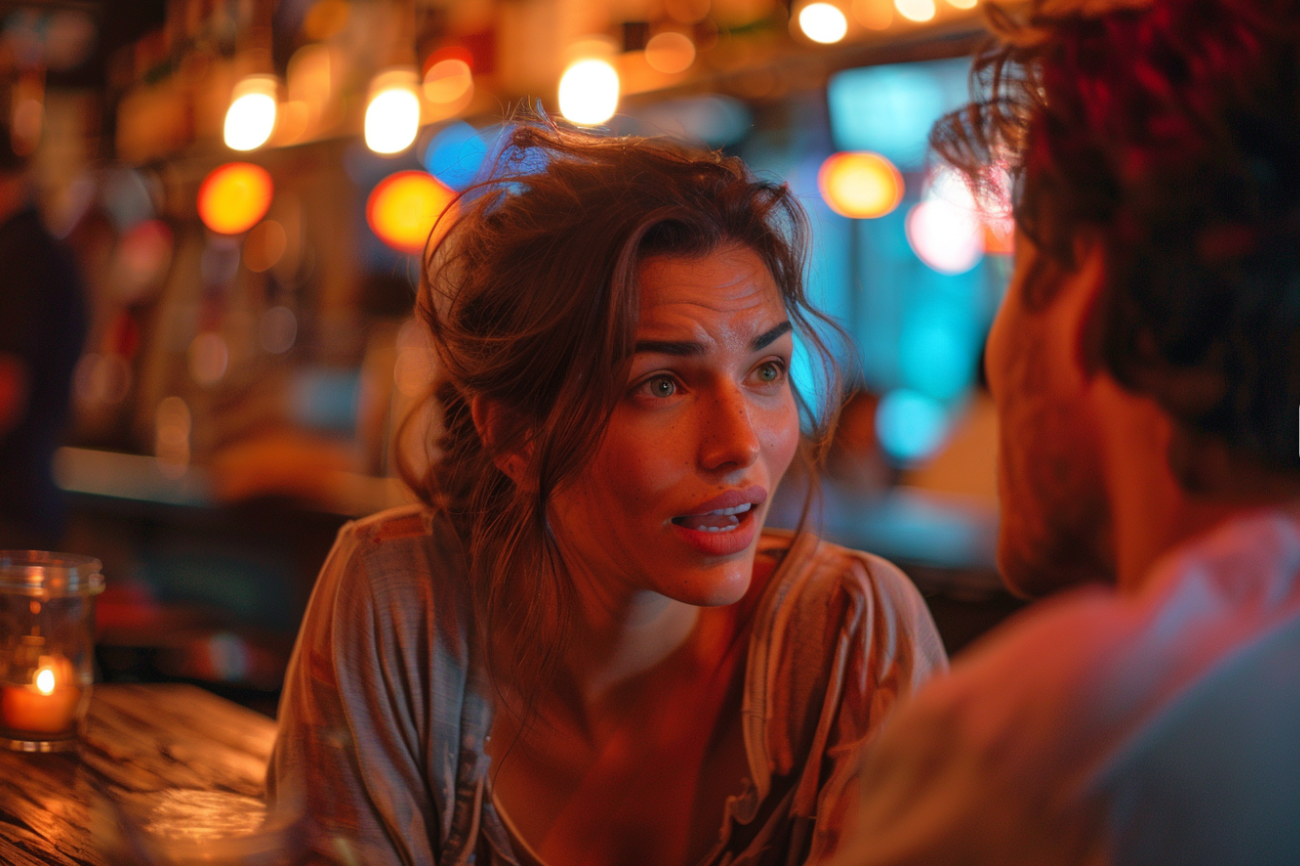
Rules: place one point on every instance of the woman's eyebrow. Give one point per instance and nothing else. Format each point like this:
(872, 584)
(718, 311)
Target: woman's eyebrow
(767, 338)
(676, 348)
(690, 349)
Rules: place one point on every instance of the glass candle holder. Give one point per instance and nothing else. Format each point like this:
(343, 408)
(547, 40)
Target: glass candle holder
(47, 612)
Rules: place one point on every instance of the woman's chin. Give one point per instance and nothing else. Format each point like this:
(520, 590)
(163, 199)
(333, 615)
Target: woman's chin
(716, 585)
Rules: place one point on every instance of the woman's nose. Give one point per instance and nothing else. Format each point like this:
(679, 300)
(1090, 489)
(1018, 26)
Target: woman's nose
(727, 436)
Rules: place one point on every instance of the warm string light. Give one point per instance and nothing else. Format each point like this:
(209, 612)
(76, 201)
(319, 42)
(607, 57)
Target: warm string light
(670, 52)
(393, 113)
(918, 11)
(235, 197)
(860, 185)
(250, 119)
(822, 22)
(589, 92)
(404, 209)
(874, 14)
(449, 82)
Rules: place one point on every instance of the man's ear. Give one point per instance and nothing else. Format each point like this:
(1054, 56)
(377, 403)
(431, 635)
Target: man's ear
(494, 426)
(1086, 286)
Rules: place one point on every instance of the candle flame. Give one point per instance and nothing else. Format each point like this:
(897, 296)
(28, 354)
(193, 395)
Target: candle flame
(45, 681)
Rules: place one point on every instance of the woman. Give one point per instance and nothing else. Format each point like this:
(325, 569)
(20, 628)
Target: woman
(586, 603)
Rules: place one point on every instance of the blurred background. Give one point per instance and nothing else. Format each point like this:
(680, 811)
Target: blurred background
(246, 185)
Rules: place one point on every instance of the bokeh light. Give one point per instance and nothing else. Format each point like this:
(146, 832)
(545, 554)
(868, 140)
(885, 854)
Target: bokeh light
(235, 197)
(589, 92)
(325, 19)
(250, 119)
(963, 4)
(822, 22)
(416, 361)
(143, 257)
(936, 348)
(404, 207)
(670, 52)
(393, 114)
(910, 425)
(915, 10)
(209, 357)
(946, 230)
(455, 154)
(311, 80)
(172, 424)
(945, 238)
(874, 14)
(101, 379)
(449, 82)
(860, 185)
(264, 246)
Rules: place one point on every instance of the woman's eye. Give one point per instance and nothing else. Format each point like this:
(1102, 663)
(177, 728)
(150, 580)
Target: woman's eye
(770, 373)
(660, 386)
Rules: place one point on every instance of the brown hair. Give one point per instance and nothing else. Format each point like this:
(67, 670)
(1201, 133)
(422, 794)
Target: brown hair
(531, 300)
(1171, 132)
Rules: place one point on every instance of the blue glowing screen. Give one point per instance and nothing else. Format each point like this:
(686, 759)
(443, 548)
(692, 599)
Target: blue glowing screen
(890, 109)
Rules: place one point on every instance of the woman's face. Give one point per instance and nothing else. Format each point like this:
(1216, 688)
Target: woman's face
(677, 492)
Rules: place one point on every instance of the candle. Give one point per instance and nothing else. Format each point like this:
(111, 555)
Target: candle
(48, 705)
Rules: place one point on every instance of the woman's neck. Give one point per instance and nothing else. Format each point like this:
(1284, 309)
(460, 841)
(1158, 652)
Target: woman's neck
(614, 639)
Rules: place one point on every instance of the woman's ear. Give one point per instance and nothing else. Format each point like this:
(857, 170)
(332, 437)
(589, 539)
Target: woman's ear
(493, 423)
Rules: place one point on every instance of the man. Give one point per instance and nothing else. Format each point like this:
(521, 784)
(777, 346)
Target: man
(1146, 369)
(42, 326)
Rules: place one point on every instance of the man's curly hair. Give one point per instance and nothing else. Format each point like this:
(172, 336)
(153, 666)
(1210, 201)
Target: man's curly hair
(1171, 133)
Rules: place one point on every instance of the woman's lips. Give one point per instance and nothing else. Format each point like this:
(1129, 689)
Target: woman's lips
(723, 525)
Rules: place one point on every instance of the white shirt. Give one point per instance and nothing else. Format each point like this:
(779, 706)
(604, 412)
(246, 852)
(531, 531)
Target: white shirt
(1162, 727)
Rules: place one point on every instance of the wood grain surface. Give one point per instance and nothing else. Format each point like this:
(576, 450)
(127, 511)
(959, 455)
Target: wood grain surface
(173, 752)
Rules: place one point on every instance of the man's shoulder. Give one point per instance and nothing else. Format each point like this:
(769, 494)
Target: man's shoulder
(1095, 697)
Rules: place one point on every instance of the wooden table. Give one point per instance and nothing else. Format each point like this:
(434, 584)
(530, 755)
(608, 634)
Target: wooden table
(147, 747)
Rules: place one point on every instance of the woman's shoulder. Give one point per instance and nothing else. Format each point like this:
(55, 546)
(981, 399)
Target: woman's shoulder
(401, 559)
(832, 621)
(810, 565)
(823, 594)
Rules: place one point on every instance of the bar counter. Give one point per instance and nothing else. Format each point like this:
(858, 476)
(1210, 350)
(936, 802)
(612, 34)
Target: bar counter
(153, 752)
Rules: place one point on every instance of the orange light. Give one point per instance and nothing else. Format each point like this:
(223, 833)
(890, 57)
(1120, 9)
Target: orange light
(234, 197)
(404, 208)
(45, 681)
(860, 185)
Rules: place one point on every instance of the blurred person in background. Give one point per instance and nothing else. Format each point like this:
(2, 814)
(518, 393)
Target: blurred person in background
(42, 328)
(584, 648)
(1145, 365)
(856, 474)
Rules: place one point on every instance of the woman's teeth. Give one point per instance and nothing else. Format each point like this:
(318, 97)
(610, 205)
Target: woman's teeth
(722, 520)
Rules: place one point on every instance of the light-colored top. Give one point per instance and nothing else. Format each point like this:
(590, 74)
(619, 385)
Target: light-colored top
(386, 704)
(1162, 728)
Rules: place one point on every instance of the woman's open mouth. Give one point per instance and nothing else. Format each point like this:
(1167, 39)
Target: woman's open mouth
(724, 525)
(722, 520)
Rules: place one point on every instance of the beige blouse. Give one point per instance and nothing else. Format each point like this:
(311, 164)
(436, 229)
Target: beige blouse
(385, 706)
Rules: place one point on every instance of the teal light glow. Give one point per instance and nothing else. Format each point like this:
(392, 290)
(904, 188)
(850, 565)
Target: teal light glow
(910, 425)
(890, 109)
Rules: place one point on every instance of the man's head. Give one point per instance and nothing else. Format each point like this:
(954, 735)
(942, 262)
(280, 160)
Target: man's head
(1155, 154)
